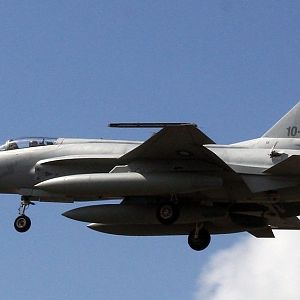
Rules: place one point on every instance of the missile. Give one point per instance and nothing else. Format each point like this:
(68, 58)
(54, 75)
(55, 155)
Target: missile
(129, 184)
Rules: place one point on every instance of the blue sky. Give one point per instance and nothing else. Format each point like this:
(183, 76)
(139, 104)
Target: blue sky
(68, 68)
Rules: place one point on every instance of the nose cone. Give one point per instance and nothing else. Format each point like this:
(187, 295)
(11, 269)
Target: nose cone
(83, 214)
(73, 214)
(55, 185)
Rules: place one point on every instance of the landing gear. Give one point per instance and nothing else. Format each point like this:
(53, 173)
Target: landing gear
(167, 213)
(199, 239)
(22, 222)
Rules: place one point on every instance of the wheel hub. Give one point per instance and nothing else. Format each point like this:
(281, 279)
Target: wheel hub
(21, 223)
(166, 212)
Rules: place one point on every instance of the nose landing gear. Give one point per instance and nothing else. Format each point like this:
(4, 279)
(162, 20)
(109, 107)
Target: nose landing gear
(22, 222)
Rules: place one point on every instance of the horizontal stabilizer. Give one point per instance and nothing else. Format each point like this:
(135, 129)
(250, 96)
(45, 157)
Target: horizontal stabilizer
(290, 166)
(259, 183)
(292, 223)
(263, 232)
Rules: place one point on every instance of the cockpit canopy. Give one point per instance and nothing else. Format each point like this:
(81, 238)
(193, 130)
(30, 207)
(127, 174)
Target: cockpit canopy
(28, 142)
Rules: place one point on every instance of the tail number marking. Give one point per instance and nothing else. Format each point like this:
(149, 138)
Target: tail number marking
(292, 131)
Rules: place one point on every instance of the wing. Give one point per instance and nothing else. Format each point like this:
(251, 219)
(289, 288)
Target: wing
(184, 142)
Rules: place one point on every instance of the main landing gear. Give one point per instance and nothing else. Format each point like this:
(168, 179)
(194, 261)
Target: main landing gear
(168, 213)
(199, 238)
(22, 222)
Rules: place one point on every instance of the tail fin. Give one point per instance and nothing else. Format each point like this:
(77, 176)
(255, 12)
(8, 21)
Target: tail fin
(288, 126)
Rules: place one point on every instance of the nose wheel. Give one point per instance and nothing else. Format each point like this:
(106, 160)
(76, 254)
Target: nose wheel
(22, 222)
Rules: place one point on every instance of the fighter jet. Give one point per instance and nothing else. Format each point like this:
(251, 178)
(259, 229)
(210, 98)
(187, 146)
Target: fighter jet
(178, 182)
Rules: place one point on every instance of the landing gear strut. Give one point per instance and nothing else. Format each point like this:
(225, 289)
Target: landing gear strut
(199, 238)
(22, 222)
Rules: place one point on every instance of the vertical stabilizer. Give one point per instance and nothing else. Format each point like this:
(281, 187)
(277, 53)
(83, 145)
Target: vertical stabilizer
(288, 126)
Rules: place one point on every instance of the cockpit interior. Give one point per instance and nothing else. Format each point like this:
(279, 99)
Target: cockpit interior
(28, 142)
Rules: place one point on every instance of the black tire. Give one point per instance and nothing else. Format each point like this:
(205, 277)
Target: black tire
(22, 223)
(167, 213)
(200, 242)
